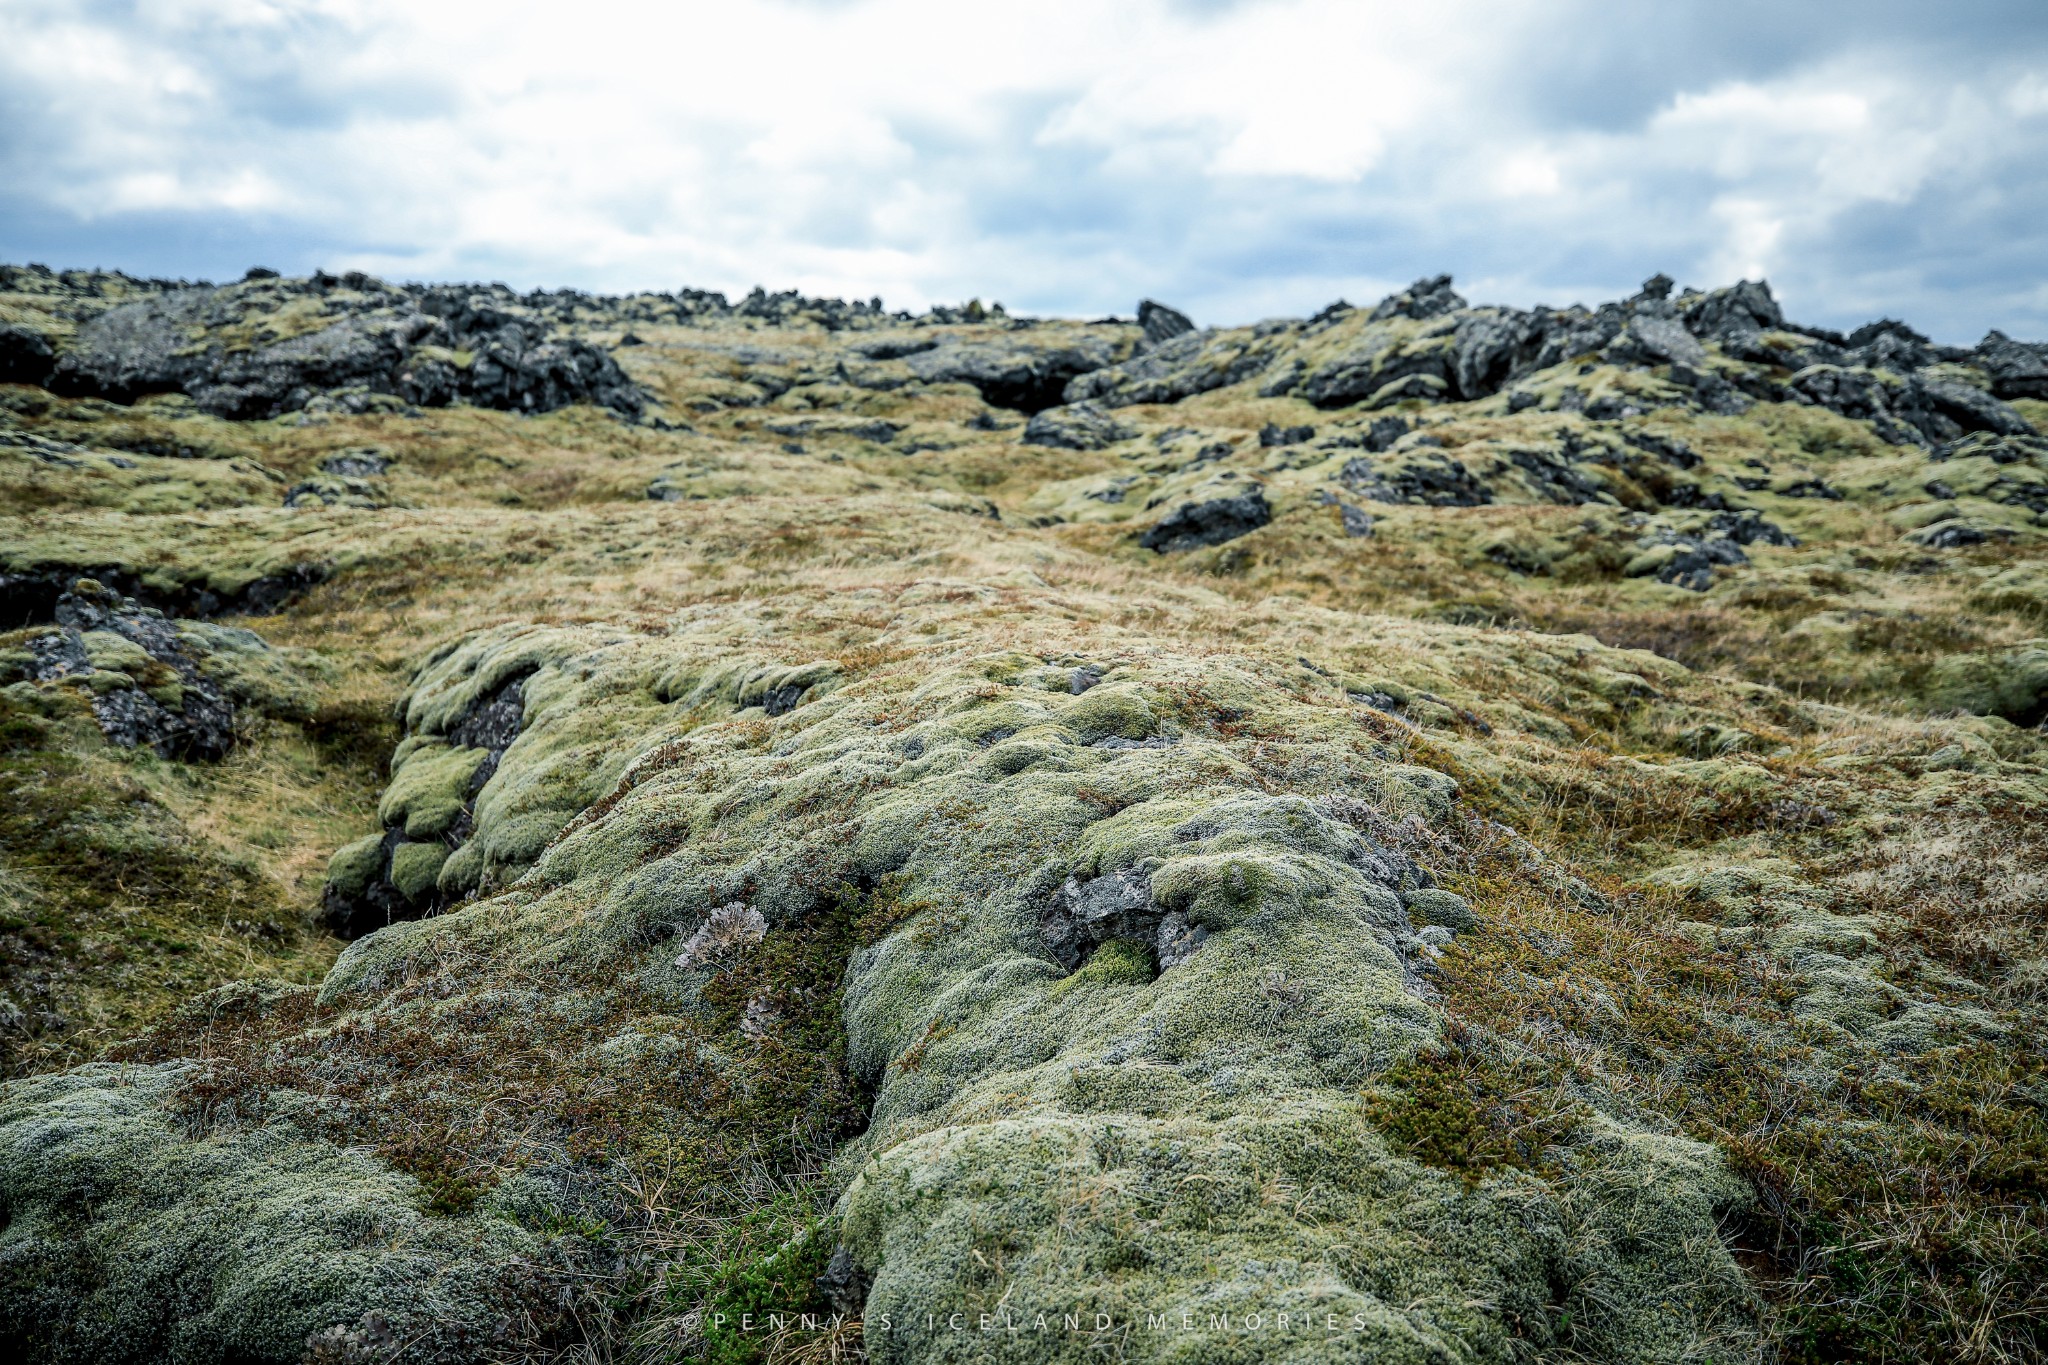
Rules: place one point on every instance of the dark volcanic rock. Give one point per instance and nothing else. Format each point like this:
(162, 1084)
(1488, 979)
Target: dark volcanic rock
(432, 347)
(1181, 367)
(1973, 409)
(1688, 558)
(1735, 312)
(1378, 368)
(1426, 298)
(26, 356)
(1491, 346)
(1195, 524)
(1162, 323)
(1084, 915)
(1013, 372)
(377, 881)
(154, 691)
(29, 596)
(2017, 369)
(1427, 477)
(1078, 426)
(362, 462)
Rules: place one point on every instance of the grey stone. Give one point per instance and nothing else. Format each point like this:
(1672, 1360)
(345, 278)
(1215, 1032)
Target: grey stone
(1195, 524)
(1657, 340)
(1740, 309)
(1426, 298)
(1014, 372)
(201, 728)
(1162, 323)
(1973, 409)
(379, 340)
(2016, 368)
(26, 356)
(1077, 426)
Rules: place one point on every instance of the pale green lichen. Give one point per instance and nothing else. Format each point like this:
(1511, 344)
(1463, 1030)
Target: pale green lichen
(429, 788)
(128, 1240)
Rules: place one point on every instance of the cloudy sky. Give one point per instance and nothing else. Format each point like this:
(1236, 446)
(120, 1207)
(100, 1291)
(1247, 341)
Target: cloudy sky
(1064, 156)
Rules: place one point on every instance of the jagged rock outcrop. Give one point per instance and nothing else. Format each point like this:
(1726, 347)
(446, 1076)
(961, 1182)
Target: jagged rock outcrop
(1013, 372)
(1162, 324)
(2017, 370)
(150, 681)
(29, 593)
(268, 346)
(146, 684)
(1076, 426)
(26, 356)
(1688, 553)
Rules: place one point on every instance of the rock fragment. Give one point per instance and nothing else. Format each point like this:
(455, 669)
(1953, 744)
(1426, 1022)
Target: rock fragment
(1193, 525)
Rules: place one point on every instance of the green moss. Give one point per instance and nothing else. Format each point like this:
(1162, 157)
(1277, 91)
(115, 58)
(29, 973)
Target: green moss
(1119, 962)
(415, 868)
(429, 789)
(354, 866)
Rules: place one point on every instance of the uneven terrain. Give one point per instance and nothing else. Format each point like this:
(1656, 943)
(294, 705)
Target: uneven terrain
(552, 827)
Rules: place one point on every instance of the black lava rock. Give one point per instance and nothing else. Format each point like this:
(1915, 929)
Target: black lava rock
(172, 706)
(25, 355)
(1195, 524)
(1161, 323)
(424, 346)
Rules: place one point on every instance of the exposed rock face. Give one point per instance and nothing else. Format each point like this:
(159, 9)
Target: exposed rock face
(147, 687)
(26, 356)
(1735, 313)
(1193, 525)
(425, 346)
(1689, 557)
(1013, 373)
(2017, 369)
(29, 595)
(1424, 475)
(1162, 324)
(1078, 426)
(151, 682)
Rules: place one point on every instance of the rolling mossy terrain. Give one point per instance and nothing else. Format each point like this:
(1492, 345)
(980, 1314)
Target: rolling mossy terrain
(657, 828)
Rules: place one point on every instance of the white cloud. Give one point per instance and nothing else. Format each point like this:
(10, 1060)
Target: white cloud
(1064, 154)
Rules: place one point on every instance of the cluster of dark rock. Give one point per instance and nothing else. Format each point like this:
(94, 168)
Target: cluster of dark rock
(1193, 525)
(1688, 558)
(251, 350)
(347, 478)
(145, 677)
(1910, 388)
(30, 595)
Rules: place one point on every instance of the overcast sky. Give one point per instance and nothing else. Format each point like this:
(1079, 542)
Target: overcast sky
(1237, 159)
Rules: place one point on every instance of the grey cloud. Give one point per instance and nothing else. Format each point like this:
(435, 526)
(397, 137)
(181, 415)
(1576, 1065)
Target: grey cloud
(1060, 226)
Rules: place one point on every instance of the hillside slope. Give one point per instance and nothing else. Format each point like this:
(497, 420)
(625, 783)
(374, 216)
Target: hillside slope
(549, 826)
